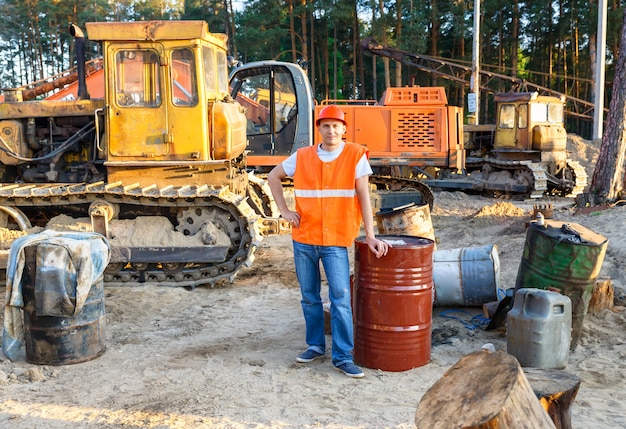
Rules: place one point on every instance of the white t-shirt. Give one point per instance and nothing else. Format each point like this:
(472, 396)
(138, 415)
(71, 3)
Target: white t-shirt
(363, 167)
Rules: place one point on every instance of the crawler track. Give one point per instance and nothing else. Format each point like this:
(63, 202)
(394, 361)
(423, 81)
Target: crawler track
(579, 177)
(230, 211)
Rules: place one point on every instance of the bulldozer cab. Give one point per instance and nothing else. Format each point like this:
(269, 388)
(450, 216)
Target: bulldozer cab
(279, 109)
(165, 86)
(528, 122)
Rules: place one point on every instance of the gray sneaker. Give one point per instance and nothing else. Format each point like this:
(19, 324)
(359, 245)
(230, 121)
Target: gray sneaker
(309, 356)
(350, 369)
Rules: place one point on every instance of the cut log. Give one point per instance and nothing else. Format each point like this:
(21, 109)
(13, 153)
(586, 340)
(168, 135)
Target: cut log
(602, 296)
(483, 390)
(556, 391)
(489, 309)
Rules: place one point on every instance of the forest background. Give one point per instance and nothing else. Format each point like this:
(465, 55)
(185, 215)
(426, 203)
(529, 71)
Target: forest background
(549, 43)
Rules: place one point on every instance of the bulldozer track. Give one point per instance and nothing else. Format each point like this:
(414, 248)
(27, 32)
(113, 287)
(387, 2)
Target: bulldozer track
(534, 172)
(580, 177)
(232, 207)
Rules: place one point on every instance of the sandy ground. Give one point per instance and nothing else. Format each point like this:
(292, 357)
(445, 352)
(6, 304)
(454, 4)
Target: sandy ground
(225, 357)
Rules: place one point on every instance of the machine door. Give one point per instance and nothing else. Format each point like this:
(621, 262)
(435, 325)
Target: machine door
(137, 121)
(505, 137)
(523, 136)
(188, 126)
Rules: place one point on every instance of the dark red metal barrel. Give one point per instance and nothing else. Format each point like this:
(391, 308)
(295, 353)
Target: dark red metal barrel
(393, 299)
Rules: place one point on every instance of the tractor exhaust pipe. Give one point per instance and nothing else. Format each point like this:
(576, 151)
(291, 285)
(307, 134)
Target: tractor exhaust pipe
(79, 39)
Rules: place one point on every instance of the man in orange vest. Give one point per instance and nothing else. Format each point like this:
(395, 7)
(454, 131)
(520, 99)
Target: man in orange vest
(331, 189)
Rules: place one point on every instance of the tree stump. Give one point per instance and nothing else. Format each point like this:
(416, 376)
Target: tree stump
(483, 390)
(556, 390)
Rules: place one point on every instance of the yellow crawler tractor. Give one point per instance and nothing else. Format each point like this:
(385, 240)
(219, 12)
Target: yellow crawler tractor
(526, 148)
(158, 166)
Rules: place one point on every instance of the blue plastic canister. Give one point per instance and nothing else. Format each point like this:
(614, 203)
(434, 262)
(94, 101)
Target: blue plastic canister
(538, 328)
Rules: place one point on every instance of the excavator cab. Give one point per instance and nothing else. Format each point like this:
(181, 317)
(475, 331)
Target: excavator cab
(279, 110)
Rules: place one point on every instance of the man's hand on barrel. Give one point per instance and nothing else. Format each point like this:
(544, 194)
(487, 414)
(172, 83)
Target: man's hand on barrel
(378, 247)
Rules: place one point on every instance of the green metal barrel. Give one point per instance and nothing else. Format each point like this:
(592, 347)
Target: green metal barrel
(566, 257)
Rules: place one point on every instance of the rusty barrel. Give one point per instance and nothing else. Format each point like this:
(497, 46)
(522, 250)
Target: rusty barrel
(409, 219)
(393, 298)
(566, 257)
(51, 340)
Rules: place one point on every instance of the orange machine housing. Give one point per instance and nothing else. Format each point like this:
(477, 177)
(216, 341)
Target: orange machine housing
(411, 126)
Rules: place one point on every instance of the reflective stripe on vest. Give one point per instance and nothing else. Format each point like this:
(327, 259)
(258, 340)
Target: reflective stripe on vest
(324, 193)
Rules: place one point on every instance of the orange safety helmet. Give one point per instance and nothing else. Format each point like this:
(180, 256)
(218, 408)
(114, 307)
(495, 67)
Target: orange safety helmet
(331, 112)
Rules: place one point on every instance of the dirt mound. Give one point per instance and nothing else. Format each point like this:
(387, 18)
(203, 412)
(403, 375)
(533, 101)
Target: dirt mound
(501, 209)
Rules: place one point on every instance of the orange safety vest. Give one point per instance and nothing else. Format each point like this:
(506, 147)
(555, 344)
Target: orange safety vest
(325, 193)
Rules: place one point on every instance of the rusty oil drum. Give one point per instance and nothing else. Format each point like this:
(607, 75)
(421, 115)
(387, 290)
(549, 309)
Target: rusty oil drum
(51, 340)
(392, 304)
(410, 219)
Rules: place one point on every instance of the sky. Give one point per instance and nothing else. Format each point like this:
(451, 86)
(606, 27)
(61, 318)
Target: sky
(238, 4)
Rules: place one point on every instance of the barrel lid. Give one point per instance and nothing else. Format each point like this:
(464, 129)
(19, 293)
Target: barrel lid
(390, 210)
(401, 241)
(569, 232)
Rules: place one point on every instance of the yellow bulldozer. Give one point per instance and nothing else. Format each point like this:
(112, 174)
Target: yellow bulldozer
(158, 165)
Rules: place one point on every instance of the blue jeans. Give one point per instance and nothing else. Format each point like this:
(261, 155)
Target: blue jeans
(337, 268)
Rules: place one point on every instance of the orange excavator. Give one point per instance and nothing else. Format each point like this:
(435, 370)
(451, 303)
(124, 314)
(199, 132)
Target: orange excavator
(416, 139)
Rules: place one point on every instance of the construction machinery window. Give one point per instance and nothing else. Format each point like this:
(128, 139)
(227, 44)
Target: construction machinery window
(254, 96)
(222, 72)
(522, 116)
(184, 87)
(555, 112)
(215, 72)
(507, 116)
(546, 112)
(210, 75)
(137, 81)
(268, 97)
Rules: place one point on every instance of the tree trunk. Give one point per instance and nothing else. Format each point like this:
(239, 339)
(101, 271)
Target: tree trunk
(434, 35)
(398, 38)
(311, 59)
(608, 176)
(305, 41)
(556, 390)
(515, 39)
(356, 36)
(230, 25)
(575, 53)
(292, 31)
(362, 89)
(602, 296)
(383, 30)
(483, 390)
